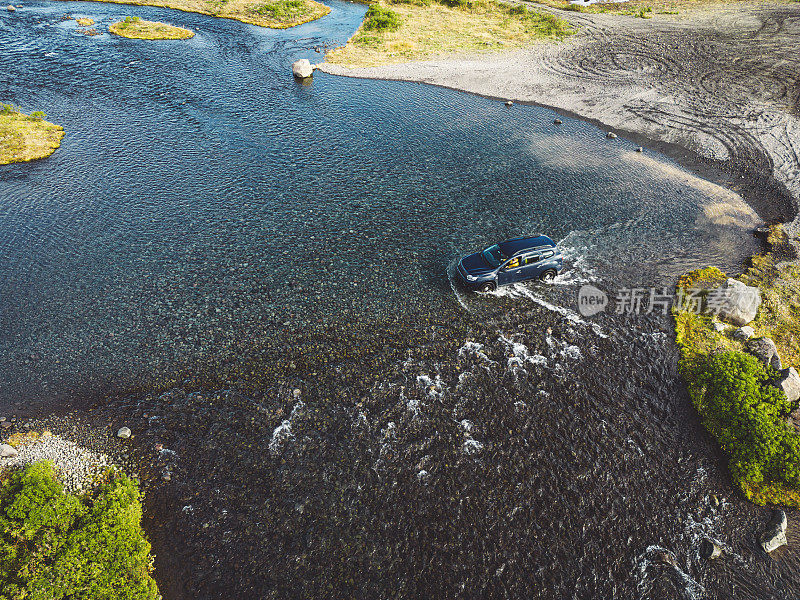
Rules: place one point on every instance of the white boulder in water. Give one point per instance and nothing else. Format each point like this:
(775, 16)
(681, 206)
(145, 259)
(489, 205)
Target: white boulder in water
(302, 68)
(124, 433)
(11, 8)
(775, 535)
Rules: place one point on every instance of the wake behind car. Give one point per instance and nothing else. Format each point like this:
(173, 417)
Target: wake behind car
(511, 261)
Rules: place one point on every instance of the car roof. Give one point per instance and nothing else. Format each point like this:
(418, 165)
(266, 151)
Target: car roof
(514, 246)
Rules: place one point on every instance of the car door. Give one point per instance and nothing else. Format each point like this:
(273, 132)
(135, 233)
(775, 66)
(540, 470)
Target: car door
(530, 268)
(510, 272)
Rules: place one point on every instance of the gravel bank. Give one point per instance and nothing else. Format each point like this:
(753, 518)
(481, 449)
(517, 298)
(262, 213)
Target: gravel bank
(77, 467)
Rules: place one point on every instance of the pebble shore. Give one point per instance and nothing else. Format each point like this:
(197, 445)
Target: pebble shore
(77, 467)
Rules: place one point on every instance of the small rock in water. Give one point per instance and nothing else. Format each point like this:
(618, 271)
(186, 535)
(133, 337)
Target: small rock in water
(509, 103)
(302, 69)
(7, 451)
(709, 550)
(662, 557)
(124, 433)
(2, 419)
(11, 8)
(6, 424)
(611, 135)
(640, 149)
(558, 121)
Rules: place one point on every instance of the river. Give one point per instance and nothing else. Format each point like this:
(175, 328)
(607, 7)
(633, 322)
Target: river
(258, 273)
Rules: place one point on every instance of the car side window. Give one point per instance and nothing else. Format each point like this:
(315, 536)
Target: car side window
(512, 264)
(529, 260)
(548, 254)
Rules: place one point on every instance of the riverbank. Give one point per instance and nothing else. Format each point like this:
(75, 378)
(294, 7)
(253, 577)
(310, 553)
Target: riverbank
(713, 85)
(397, 31)
(26, 137)
(275, 14)
(742, 377)
(135, 28)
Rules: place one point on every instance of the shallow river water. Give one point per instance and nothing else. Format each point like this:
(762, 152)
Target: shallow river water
(257, 273)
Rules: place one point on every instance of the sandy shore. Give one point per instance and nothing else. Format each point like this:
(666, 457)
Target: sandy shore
(719, 84)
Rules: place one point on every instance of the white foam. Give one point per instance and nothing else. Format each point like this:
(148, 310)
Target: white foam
(283, 432)
(471, 447)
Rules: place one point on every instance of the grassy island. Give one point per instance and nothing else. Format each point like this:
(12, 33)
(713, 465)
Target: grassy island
(26, 137)
(59, 545)
(276, 14)
(137, 29)
(405, 30)
(732, 390)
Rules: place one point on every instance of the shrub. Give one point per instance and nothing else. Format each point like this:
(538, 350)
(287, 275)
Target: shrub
(37, 115)
(8, 109)
(379, 18)
(747, 417)
(56, 546)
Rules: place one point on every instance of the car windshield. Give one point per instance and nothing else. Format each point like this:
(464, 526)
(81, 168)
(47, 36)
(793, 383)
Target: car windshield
(492, 255)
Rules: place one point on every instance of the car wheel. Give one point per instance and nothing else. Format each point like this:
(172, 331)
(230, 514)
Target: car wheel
(548, 276)
(489, 286)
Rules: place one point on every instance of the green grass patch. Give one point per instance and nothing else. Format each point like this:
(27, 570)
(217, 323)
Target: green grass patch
(137, 29)
(26, 137)
(57, 546)
(284, 10)
(405, 30)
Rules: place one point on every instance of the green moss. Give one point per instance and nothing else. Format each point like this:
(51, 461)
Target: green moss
(59, 546)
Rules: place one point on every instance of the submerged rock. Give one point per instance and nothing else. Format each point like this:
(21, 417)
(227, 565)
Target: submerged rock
(124, 433)
(709, 550)
(663, 557)
(789, 384)
(775, 535)
(302, 68)
(739, 302)
(764, 349)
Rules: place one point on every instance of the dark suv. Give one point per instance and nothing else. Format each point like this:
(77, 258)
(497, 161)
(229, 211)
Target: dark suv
(518, 259)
